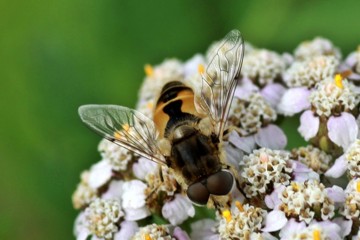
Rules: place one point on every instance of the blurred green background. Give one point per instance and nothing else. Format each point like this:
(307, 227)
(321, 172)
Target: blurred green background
(58, 55)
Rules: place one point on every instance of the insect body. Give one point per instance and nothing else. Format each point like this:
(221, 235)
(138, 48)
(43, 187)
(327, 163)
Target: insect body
(186, 132)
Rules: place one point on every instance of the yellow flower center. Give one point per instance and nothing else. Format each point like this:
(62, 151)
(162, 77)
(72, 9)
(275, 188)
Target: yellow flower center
(201, 68)
(227, 215)
(316, 235)
(147, 236)
(295, 186)
(358, 186)
(339, 81)
(239, 206)
(149, 70)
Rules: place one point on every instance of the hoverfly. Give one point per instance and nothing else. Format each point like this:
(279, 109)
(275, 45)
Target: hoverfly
(186, 132)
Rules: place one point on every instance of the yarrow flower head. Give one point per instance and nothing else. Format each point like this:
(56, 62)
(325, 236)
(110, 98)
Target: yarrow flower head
(248, 116)
(252, 119)
(118, 157)
(84, 194)
(315, 231)
(307, 201)
(352, 157)
(351, 208)
(153, 231)
(317, 47)
(351, 65)
(312, 157)
(333, 96)
(263, 170)
(276, 193)
(263, 66)
(241, 222)
(102, 217)
(331, 124)
(311, 71)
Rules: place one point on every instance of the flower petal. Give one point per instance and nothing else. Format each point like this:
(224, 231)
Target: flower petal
(114, 190)
(134, 214)
(246, 144)
(345, 226)
(100, 173)
(180, 234)
(144, 167)
(233, 155)
(245, 88)
(271, 137)
(336, 193)
(203, 230)
(127, 230)
(178, 209)
(272, 200)
(302, 172)
(275, 221)
(309, 125)
(191, 65)
(338, 169)
(343, 129)
(294, 100)
(272, 93)
(290, 228)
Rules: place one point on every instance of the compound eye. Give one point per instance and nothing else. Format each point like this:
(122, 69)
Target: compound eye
(198, 193)
(220, 183)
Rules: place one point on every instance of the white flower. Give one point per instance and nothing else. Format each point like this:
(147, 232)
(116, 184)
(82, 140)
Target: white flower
(265, 168)
(272, 93)
(352, 63)
(302, 173)
(352, 157)
(262, 66)
(305, 200)
(350, 160)
(178, 209)
(133, 200)
(83, 194)
(312, 157)
(317, 47)
(351, 208)
(100, 173)
(294, 100)
(252, 119)
(118, 157)
(153, 231)
(311, 71)
(241, 221)
(316, 230)
(143, 167)
(333, 96)
(81, 231)
(127, 230)
(114, 190)
(102, 216)
(342, 128)
(274, 221)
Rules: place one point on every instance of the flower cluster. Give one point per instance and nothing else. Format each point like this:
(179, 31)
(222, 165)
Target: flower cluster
(309, 192)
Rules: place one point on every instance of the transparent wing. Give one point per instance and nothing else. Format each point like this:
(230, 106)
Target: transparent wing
(220, 79)
(125, 127)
